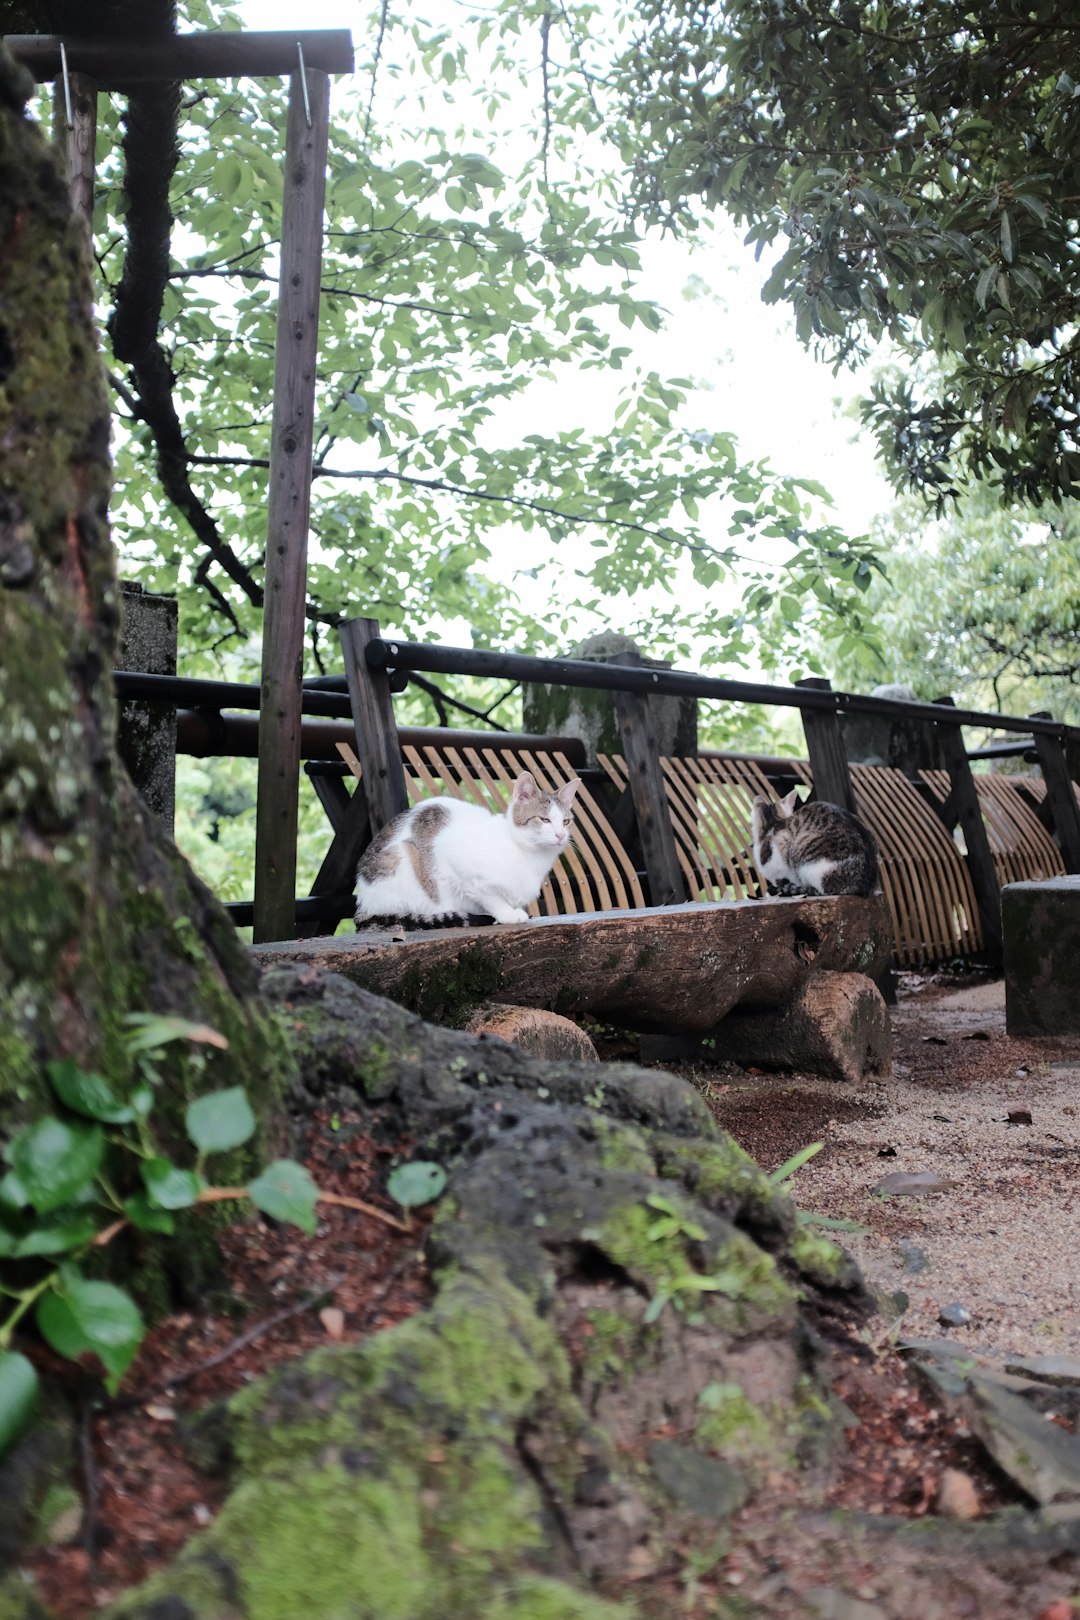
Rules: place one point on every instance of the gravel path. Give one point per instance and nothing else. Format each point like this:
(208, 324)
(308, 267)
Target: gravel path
(1003, 1241)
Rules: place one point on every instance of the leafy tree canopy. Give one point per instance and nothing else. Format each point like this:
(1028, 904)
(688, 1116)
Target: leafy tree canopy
(471, 248)
(918, 166)
(987, 607)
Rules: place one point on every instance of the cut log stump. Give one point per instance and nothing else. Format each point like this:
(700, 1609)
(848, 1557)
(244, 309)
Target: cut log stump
(545, 1034)
(676, 969)
(837, 1024)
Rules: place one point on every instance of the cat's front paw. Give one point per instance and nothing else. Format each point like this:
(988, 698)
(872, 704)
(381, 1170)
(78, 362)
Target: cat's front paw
(510, 914)
(783, 888)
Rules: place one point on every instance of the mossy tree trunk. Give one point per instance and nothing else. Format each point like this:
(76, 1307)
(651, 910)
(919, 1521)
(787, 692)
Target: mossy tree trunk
(99, 916)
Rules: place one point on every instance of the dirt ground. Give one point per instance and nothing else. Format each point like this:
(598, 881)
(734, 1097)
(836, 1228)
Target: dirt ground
(1001, 1240)
(996, 1118)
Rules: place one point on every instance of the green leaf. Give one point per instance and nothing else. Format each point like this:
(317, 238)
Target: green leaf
(146, 1216)
(18, 1397)
(417, 1183)
(220, 1120)
(12, 1192)
(286, 1192)
(56, 1237)
(1008, 239)
(87, 1094)
(168, 1186)
(796, 1162)
(54, 1161)
(83, 1316)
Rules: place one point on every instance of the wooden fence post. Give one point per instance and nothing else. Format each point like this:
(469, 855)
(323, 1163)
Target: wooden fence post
(1059, 793)
(825, 749)
(79, 141)
(291, 439)
(383, 787)
(963, 806)
(641, 751)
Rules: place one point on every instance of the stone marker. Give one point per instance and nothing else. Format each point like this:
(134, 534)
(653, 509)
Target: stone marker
(1041, 928)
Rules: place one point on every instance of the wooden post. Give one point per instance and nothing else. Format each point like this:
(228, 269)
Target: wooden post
(1059, 794)
(377, 745)
(642, 754)
(963, 807)
(79, 141)
(292, 434)
(825, 749)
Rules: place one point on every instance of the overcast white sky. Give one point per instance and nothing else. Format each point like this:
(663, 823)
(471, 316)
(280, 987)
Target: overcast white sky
(757, 378)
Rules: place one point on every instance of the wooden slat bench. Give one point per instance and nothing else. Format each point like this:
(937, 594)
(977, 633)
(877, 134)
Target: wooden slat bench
(926, 884)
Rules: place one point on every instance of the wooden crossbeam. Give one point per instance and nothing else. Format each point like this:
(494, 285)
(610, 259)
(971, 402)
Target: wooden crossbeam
(215, 54)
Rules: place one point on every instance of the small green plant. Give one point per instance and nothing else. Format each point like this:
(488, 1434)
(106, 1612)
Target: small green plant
(796, 1162)
(67, 1191)
(671, 1223)
(412, 1185)
(686, 1286)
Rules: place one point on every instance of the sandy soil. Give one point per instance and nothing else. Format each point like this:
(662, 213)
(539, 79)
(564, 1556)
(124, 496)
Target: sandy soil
(1003, 1240)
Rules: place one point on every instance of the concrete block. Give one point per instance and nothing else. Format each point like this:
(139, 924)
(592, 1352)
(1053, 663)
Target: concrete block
(1041, 926)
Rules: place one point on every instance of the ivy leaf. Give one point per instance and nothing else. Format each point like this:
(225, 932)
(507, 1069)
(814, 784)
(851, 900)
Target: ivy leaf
(55, 1161)
(56, 1237)
(87, 1094)
(220, 1120)
(168, 1186)
(412, 1185)
(286, 1192)
(18, 1397)
(146, 1216)
(83, 1316)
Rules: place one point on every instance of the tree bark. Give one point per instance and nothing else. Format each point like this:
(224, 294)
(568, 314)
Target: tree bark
(99, 917)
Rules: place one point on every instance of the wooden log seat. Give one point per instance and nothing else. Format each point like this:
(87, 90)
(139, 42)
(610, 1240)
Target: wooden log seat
(836, 1025)
(544, 1034)
(674, 969)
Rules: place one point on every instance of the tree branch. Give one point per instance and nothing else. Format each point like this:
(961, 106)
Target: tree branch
(150, 156)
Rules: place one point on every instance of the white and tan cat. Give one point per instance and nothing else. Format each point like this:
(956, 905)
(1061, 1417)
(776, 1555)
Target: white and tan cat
(449, 858)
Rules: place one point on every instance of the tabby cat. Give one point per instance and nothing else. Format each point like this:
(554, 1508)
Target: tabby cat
(815, 848)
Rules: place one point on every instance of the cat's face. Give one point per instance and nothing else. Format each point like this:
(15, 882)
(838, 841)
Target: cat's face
(771, 813)
(542, 821)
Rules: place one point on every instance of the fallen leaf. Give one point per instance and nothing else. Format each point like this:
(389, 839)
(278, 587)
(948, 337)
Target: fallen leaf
(333, 1320)
(886, 1153)
(205, 1036)
(1061, 1610)
(957, 1497)
(1019, 1116)
(160, 1412)
(978, 1035)
(934, 1040)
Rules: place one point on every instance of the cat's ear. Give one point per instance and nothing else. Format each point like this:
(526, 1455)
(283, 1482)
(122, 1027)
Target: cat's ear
(564, 797)
(525, 789)
(789, 803)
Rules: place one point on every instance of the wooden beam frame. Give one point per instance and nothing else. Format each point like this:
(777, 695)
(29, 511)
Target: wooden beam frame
(1060, 798)
(962, 805)
(378, 747)
(215, 54)
(291, 441)
(825, 748)
(641, 751)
